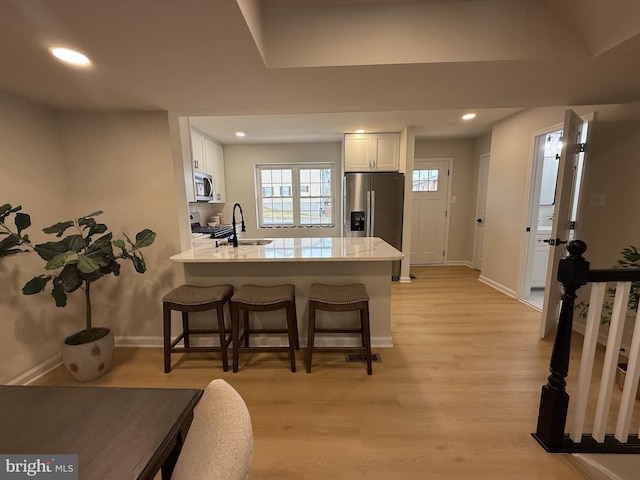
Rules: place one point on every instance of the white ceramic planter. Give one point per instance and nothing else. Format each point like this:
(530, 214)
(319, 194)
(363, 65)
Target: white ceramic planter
(89, 361)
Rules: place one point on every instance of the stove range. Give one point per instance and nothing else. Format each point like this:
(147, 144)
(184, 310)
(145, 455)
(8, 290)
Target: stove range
(219, 231)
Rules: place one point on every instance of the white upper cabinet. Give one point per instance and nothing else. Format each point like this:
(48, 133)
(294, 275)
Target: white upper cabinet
(371, 152)
(217, 164)
(199, 152)
(208, 157)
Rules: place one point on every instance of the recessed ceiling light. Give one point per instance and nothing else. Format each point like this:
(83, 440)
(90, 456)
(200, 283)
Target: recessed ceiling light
(70, 56)
(360, 130)
(240, 134)
(468, 116)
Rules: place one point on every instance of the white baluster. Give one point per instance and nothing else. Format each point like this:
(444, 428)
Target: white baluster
(611, 360)
(586, 362)
(630, 387)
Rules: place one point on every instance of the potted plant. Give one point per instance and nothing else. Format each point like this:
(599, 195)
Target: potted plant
(74, 263)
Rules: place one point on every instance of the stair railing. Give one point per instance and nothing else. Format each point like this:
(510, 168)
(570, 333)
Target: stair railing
(573, 273)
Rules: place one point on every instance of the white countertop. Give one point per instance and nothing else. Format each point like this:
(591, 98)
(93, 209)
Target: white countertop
(350, 249)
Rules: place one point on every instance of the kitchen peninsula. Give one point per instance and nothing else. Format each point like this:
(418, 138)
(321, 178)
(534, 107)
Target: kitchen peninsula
(301, 261)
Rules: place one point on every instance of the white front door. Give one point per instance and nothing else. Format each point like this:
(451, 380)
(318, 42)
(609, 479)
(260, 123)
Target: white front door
(429, 210)
(574, 134)
(481, 211)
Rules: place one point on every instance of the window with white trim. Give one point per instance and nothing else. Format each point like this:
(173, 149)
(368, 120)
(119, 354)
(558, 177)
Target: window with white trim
(294, 194)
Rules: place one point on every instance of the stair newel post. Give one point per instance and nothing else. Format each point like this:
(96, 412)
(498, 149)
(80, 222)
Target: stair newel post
(554, 400)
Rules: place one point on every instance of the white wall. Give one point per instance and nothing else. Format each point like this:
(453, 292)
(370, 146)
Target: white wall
(59, 166)
(122, 163)
(33, 174)
(239, 164)
(611, 169)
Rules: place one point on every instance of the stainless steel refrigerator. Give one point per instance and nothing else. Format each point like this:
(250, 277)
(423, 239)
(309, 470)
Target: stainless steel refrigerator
(373, 207)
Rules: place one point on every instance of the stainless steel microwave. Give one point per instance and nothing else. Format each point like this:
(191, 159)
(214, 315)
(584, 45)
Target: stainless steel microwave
(204, 187)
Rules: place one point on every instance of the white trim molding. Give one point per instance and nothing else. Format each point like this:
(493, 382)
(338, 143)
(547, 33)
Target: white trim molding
(497, 286)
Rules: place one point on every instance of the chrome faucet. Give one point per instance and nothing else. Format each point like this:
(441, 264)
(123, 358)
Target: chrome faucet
(233, 223)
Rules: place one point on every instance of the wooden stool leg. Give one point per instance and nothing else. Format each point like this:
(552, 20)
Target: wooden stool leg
(295, 324)
(166, 320)
(246, 328)
(291, 330)
(311, 334)
(235, 333)
(185, 328)
(364, 315)
(223, 337)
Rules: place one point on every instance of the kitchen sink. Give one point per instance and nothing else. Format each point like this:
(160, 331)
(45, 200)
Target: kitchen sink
(249, 241)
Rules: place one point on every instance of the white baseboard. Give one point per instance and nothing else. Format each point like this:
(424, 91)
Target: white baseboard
(593, 467)
(464, 263)
(136, 341)
(405, 280)
(602, 338)
(497, 286)
(335, 340)
(157, 342)
(37, 371)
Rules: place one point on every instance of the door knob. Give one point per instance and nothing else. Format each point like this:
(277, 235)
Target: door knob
(554, 241)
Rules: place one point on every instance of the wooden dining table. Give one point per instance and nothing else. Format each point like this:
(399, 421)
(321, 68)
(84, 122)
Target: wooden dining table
(117, 433)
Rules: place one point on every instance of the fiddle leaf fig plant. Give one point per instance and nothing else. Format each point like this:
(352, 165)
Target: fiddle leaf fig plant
(75, 261)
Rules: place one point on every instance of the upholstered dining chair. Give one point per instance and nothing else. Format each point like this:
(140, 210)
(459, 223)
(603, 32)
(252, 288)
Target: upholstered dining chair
(219, 444)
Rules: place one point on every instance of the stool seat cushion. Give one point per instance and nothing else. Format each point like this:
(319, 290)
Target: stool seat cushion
(191, 295)
(264, 295)
(338, 294)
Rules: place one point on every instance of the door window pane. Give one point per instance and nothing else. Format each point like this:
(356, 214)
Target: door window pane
(425, 180)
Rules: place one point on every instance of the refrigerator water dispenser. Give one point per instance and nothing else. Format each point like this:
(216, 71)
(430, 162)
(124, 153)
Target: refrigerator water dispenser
(357, 222)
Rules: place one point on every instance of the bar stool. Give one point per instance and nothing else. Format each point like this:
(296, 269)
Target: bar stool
(258, 298)
(340, 298)
(185, 299)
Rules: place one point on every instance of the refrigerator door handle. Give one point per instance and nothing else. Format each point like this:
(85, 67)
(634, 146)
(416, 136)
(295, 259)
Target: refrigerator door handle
(372, 211)
(367, 219)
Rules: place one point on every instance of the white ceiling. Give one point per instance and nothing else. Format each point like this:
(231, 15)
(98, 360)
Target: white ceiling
(285, 70)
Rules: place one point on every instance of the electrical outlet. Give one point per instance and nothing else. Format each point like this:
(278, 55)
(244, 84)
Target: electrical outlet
(597, 199)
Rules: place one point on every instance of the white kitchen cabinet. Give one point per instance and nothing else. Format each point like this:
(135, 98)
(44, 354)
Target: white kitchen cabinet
(217, 167)
(199, 152)
(371, 152)
(208, 157)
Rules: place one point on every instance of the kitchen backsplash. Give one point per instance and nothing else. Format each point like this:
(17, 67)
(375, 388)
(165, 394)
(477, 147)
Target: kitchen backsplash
(207, 210)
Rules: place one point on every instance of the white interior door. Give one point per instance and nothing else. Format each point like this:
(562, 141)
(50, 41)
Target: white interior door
(429, 211)
(481, 211)
(546, 157)
(573, 136)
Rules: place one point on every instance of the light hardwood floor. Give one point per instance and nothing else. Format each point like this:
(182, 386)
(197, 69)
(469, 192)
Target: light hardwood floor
(455, 398)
